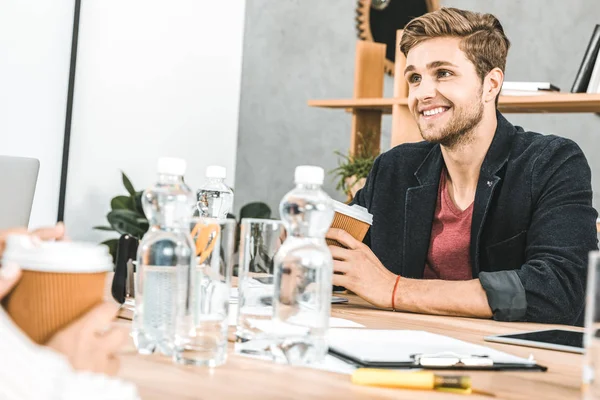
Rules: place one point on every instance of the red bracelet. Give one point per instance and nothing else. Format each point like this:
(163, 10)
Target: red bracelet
(394, 293)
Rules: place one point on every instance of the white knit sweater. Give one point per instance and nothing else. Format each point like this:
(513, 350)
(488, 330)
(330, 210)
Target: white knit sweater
(29, 371)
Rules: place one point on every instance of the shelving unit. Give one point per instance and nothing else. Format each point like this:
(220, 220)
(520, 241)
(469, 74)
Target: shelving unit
(367, 105)
(547, 103)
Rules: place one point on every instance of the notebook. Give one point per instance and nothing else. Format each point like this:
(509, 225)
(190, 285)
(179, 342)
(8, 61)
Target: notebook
(398, 348)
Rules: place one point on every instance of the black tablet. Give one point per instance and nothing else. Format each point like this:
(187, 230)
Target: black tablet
(551, 339)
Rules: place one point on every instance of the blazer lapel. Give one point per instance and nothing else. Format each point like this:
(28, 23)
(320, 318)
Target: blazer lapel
(481, 206)
(489, 177)
(418, 214)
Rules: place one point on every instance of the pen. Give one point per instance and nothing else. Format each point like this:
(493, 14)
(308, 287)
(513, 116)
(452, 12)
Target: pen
(414, 380)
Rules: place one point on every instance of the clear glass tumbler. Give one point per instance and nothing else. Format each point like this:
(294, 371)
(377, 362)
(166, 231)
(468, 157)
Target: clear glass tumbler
(260, 239)
(591, 338)
(203, 295)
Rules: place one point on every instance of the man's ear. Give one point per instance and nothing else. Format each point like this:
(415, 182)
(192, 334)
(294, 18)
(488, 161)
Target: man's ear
(492, 84)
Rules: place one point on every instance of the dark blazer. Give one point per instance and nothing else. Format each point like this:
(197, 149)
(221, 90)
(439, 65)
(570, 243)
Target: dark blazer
(533, 221)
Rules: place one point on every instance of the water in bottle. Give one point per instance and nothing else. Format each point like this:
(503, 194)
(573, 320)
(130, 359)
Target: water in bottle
(303, 272)
(214, 198)
(165, 251)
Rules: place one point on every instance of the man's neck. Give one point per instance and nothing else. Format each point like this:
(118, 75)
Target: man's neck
(463, 161)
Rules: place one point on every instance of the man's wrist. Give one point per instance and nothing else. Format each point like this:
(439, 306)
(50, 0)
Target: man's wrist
(395, 293)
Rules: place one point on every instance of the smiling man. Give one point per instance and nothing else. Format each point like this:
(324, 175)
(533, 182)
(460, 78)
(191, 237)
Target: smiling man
(482, 219)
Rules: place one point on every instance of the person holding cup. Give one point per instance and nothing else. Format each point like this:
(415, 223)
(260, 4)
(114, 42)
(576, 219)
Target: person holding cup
(74, 362)
(482, 218)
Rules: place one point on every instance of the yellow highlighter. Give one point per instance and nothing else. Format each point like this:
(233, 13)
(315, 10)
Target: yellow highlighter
(422, 380)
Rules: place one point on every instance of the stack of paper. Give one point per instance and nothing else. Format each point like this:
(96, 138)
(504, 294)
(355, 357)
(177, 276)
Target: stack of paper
(527, 88)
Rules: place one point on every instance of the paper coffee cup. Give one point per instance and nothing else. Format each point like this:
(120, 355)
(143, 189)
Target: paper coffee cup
(61, 281)
(355, 220)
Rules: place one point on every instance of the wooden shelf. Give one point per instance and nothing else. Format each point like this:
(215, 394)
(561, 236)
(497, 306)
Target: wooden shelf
(551, 103)
(547, 103)
(384, 105)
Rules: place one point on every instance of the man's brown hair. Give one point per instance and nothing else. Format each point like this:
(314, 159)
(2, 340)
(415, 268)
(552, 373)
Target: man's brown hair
(482, 37)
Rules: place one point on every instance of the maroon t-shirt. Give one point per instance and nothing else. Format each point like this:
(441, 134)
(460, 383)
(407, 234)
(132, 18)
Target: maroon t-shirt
(448, 256)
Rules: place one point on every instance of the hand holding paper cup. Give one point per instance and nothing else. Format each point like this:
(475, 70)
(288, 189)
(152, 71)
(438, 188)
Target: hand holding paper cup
(60, 282)
(355, 220)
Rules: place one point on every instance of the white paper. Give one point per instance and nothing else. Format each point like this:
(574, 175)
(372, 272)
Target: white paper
(233, 312)
(343, 323)
(268, 310)
(333, 364)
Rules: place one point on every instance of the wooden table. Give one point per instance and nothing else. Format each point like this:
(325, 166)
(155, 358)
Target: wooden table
(244, 378)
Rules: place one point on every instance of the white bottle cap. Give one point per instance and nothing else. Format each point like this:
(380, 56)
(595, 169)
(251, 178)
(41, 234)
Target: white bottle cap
(216, 171)
(309, 175)
(171, 166)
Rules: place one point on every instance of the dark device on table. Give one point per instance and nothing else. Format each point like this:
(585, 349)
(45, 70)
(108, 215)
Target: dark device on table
(551, 339)
(265, 280)
(268, 300)
(268, 280)
(124, 268)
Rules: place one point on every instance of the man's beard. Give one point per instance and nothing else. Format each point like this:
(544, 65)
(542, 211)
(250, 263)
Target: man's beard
(458, 130)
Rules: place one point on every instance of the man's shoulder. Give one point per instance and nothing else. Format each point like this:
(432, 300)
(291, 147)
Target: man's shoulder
(537, 144)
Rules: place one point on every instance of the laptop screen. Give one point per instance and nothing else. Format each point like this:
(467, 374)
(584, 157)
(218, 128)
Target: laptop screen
(18, 178)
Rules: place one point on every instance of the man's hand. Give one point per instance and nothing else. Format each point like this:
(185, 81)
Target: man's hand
(361, 271)
(90, 343)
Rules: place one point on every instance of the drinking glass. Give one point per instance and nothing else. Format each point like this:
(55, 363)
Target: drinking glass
(591, 338)
(203, 295)
(260, 241)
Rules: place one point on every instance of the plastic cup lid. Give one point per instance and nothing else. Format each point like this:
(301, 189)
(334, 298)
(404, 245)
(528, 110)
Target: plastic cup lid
(355, 211)
(69, 257)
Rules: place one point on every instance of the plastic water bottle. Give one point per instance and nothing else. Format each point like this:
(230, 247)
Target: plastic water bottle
(303, 272)
(215, 198)
(165, 250)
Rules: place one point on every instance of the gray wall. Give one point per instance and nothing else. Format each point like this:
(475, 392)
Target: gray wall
(296, 50)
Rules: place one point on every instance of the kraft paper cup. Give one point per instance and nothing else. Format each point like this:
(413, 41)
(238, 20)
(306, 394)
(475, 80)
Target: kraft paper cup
(355, 220)
(60, 282)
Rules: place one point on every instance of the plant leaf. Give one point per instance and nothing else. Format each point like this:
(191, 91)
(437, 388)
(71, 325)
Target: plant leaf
(137, 200)
(112, 247)
(127, 221)
(255, 210)
(356, 166)
(103, 228)
(127, 184)
(121, 203)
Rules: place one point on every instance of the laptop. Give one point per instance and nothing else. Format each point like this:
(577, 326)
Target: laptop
(18, 178)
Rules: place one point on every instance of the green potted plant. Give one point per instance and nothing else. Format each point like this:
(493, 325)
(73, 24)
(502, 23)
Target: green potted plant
(126, 215)
(353, 169)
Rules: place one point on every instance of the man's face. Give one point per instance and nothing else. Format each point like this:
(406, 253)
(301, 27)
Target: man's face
(444, 91)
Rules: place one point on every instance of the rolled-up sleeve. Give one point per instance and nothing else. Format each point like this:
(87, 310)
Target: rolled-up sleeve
(550, 286)
(505, 293)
